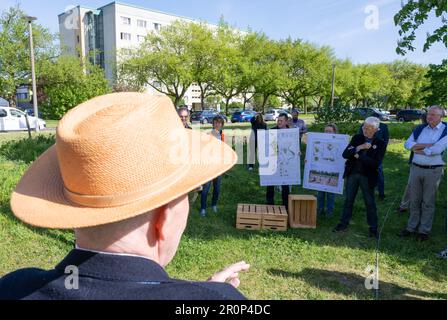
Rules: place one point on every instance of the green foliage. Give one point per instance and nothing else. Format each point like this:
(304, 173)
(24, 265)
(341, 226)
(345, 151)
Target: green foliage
(26, 150)
(15, 65)
(437, 84)
(414, 14)
(339, 113)
(236, 105)
(67, 82)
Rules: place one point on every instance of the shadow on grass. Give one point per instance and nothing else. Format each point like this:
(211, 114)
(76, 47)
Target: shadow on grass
(352, 284)
(57, 235)
(26, 150)
(243, 187)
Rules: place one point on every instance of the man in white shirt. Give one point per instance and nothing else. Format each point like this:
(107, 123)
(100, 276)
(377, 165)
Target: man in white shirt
(427, 144)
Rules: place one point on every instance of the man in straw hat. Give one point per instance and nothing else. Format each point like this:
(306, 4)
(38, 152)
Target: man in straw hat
(119, 177)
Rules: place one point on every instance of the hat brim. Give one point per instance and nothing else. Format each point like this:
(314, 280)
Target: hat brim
(39, 200)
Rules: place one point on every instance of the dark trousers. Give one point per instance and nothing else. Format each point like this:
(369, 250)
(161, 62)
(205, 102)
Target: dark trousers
(216, 190)
(353, 183)
(381, 182)
(285, 195)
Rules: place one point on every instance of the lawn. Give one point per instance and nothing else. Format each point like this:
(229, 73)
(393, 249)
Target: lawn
(297, 264)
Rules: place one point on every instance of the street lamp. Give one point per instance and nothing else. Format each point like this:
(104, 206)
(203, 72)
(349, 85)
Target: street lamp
(33, 73)
(333, 85)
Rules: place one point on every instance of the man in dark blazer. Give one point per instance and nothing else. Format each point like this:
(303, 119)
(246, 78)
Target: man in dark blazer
(382, 133)
(128, 217)
(364, 154)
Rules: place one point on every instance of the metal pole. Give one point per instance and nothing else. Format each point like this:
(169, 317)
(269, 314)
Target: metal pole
(333, 85)
(33, 73)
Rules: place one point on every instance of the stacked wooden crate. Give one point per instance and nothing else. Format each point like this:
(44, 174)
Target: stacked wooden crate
(265, 217)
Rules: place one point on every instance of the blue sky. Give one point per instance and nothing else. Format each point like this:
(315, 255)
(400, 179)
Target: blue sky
(337, 23)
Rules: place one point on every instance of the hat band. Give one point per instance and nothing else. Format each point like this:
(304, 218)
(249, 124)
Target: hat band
(107, 201)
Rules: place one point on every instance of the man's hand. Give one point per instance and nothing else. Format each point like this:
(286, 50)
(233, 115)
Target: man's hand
(230, 274)
(421, 146)
(364, 146)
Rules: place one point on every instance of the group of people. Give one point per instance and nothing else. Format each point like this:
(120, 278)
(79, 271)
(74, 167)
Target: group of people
(364, 170)
(128, 204)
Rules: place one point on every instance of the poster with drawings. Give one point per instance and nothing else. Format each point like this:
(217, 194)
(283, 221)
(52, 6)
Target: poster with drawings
(324, 164)
(279, 157)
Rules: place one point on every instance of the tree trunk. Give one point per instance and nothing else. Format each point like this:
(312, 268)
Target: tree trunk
(227, 103)
(305, 104)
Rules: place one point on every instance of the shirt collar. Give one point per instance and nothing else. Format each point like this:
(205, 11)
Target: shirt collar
(438, 127)
(111, 266)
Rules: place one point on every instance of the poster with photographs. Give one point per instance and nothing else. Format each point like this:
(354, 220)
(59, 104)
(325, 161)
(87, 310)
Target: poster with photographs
(324, 165)
(279, 157)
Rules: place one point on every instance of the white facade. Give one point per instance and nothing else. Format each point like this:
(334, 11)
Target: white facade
(111, 28)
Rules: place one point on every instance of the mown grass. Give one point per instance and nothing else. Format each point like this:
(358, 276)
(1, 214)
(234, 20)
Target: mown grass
(297, 264)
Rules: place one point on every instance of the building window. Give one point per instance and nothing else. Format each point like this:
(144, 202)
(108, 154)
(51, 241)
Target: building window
(141, 23)
(125, 36)
(22, 96)
(140, 38)
(125, 20)
(157, 26)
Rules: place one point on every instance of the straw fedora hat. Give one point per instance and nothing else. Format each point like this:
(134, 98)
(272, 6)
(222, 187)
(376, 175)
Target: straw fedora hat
(116, 156)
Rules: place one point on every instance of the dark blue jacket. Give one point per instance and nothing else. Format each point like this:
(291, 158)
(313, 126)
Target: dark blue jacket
(109, 277)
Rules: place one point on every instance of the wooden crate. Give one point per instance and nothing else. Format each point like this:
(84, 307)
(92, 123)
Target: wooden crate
(275, 218)
(302, 211)
(260, 216)
(249, 217)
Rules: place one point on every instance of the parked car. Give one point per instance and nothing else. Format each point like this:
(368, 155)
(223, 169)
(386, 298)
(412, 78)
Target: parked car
(12, 119)
(409, 115)
(363, 113)
(206, 116)
(30, 112)
(243, 116)
(273, 114)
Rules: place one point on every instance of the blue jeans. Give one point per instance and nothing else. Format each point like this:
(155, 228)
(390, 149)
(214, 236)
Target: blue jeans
(216, 190)
(321, 199)
(381, 182)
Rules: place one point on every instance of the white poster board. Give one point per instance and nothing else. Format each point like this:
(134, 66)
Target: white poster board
(279, 157)
(324, 164)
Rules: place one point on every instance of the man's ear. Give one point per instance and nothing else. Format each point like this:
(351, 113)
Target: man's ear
(161, 219)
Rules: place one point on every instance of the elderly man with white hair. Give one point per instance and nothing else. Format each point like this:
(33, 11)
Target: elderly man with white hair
(364, 155)
(427, 143)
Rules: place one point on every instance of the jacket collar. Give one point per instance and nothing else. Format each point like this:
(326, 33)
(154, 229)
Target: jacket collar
(114, 267)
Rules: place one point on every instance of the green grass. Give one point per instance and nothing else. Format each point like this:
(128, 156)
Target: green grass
(297, 264)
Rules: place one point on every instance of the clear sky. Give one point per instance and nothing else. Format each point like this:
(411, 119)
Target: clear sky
(348, 26)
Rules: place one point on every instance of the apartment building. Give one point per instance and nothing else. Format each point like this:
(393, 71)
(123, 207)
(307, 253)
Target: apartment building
(100, 34)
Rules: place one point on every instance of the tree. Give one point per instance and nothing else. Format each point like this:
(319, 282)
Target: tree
(67, 82)
(203, 54)
(232, 75)
(265, 64)
(412, 15)
(15, 65)
(163, 62)
(437, 85)
(307, 72)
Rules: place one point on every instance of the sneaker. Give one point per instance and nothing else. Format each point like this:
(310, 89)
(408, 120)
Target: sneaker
(422, 237)
(215, 209)
(340, 228)
(203, 213)
(442, 254)
(250, 168)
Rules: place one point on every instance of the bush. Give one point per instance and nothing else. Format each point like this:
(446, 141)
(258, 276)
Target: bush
(339, 113)
(26, 150)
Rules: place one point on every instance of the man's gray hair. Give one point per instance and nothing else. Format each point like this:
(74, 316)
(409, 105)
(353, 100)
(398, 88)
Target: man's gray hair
(438, 108)
(373, 121)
